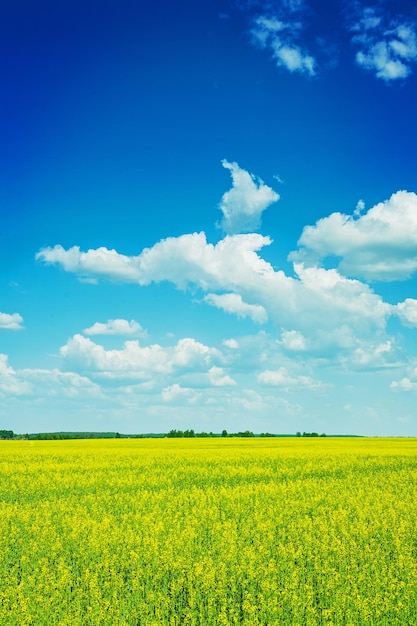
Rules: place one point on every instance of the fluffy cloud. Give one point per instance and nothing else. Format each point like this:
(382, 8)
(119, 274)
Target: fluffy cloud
(405, 384)
(10, 383)
(233, 303)
(371, 356)
(281, 378)
(293, 341)
(380, 244)
(133, 360)
(281, 36)
(385, 44)
(12, 321)
(114, 327)
(343, 301)
(242, 206)
(42, 382)
(232, 344)
(176, 393)
(407, 311)
(330, 316)
(93, 263)
(183, 260)
(218, 378)
(233, 265)
(56, 383)
(387, 47)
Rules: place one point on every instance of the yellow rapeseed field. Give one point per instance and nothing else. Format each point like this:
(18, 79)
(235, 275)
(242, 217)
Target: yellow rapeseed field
(210, 532)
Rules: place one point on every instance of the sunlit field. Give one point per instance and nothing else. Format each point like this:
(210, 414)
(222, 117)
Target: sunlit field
(210, 532)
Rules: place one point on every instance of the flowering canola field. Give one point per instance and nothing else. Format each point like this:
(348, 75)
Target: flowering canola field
(210, 532)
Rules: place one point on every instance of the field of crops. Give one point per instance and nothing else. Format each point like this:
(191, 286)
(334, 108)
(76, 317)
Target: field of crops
(210, 532)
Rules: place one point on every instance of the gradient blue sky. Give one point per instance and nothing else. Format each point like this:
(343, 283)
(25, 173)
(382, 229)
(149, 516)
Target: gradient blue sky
(209, 216)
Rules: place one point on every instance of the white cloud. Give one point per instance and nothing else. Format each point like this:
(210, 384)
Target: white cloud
(10, 383)
(11, 321)
(293, 341)
(242, 206)
(360, 207)
(43, 382)
(232, 344)
(293, 58)
(234, 265)
(409, 381)
(93, 263)
(218, 378)
(114, 327)
(177, 393)
(370, 357)
(330, 315)
(133, 360)
(281, 35)
(233, 303)
(405, 384)
(381, 244)
(183, 260)
(315, 299)
(407, 311)
(56, 383)
(282, 378)
(341, 300)
(387, 46)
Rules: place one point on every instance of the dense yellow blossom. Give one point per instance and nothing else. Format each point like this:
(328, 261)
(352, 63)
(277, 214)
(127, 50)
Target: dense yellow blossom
(208, 532)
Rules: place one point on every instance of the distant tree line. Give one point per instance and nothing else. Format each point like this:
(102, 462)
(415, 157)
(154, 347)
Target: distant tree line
(190, 433)
(75, 435)
(174, 433)
(6, 434)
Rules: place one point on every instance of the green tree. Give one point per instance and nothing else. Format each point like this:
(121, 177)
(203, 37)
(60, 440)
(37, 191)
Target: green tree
(6, 434)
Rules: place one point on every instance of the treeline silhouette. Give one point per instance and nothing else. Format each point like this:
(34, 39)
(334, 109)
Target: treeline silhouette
(172, 434)
(190, 433)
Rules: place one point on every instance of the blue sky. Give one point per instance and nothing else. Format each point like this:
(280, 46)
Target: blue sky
(209, 216)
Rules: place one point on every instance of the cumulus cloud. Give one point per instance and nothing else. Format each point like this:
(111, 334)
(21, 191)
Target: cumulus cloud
(234, 265)
(242, 206)
(218, 378)
(293, 341)
(10, 382)
(93, 263)
(12, 321)
(233, 303)
(407, 311)
(404, 384)
(345, 301)
(56, 383)
(372, 356)
(409, 381)
(114, 327)
(232, 344)
(281, 34)
(26, 382)
(380, 244)
(82, 354)
(318, 310)
(183, 260)
(385, 46)
(282, 378)
(178, 394)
